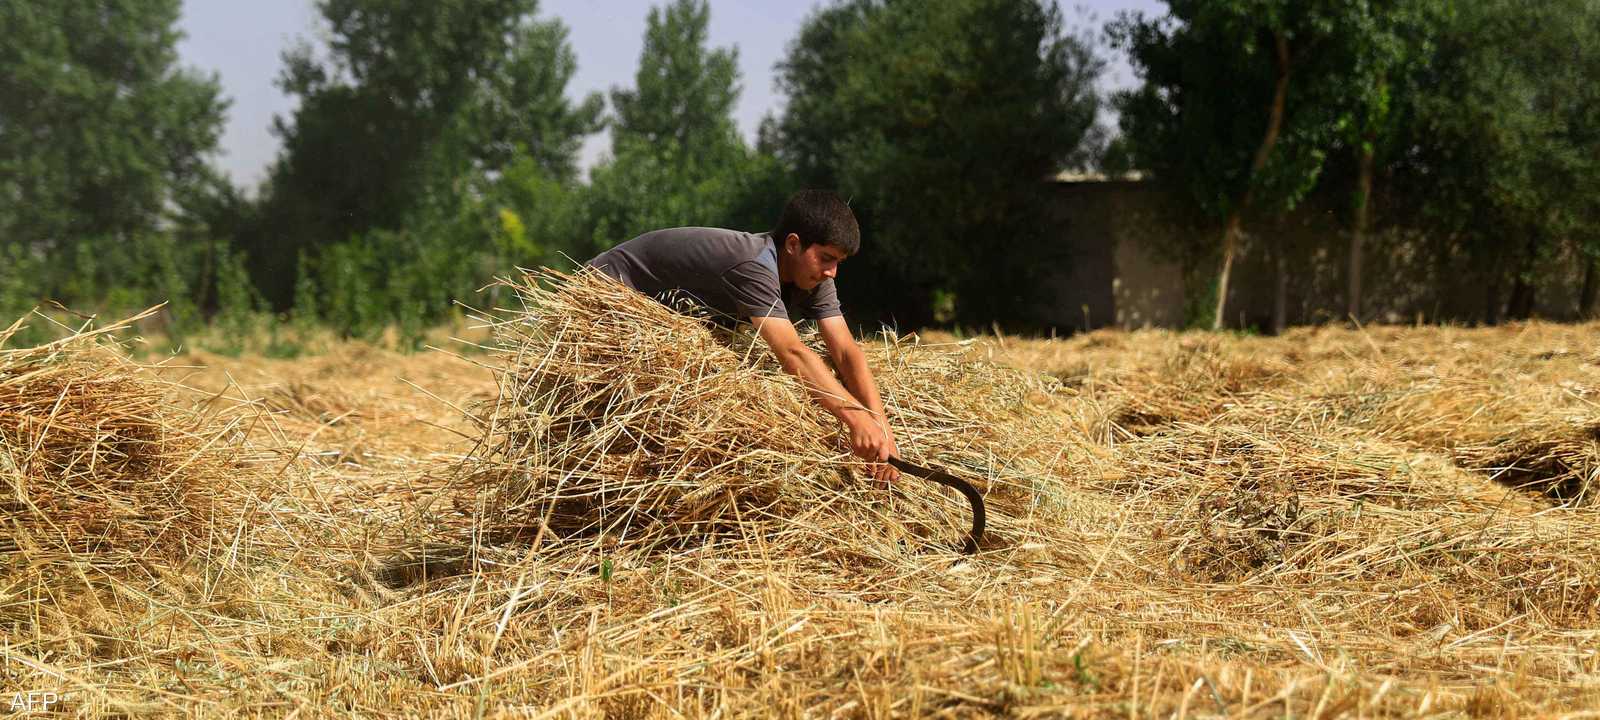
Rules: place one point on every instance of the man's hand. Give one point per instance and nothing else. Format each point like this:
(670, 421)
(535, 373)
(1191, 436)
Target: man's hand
(871, 440)
(862, 414)
(886, 472)
(852, 365)
(868, 439)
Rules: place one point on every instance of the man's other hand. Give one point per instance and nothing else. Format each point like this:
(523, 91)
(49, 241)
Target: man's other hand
(884, 471)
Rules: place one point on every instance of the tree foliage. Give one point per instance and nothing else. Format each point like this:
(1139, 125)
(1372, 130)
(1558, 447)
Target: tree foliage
(413, 105)
(941, 121)
(1475, 119)
(1242, 100)
(103, 145)
(434, 146)
(676, 155)
(684, 91)
(1502, 140)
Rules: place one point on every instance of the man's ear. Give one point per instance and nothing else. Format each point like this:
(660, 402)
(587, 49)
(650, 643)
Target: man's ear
(791, 244)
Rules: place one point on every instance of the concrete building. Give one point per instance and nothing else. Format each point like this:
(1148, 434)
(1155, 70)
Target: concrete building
(1113, 267)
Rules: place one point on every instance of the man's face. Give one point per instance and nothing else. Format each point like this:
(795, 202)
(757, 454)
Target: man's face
(815, 263)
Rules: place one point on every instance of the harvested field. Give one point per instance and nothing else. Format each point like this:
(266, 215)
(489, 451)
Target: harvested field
(616, 512)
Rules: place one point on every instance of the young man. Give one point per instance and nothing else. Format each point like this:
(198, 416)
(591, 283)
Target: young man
(772, 279)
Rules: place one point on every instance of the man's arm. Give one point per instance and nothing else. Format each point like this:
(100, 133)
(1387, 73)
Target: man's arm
(869, 438)
(852, 365)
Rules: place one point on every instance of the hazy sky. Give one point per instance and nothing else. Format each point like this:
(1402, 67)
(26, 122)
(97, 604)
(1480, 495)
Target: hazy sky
(242, 41)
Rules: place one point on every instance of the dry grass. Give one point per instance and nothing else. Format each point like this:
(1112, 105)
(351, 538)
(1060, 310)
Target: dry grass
(622, 423)
(621, 514)
(97, 460)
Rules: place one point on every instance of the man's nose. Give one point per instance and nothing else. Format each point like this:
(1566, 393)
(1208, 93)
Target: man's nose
(831, 273)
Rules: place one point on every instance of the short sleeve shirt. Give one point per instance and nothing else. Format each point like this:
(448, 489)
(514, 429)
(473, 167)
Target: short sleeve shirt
(734, 274)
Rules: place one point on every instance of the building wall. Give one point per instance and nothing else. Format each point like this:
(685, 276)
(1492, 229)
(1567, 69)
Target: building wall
(1079, 272)
(1108, 269)
(1109, 273)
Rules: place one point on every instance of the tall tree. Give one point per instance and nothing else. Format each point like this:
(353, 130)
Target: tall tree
(676, 155)
(1501, 153)
(684, 91)
(1399, 37)
(411, 102)
(942, 121)
(1240, 104)
(101, 135)
(521, 111)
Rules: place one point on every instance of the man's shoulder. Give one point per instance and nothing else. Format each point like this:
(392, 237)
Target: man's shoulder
(693, 233)
(720, 248)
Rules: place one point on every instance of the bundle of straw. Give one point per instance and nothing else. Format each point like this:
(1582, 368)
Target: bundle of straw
(621, 418)
(95, 456)
(1562, 462)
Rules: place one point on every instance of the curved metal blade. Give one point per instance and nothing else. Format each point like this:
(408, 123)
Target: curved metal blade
(979, 519)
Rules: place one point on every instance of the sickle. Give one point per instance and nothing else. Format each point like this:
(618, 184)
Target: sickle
(962, 486)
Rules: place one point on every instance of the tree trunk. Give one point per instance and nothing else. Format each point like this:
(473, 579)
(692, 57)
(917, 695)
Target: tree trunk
(1491, 310)
(1280, 295)
(206, 299)
(1520, 306)
(1230, 231)
(1589, 301)
(1358, 237)
(1523, 292)
(1230, 235)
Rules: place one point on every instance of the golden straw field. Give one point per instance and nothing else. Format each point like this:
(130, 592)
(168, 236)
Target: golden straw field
(597, 508)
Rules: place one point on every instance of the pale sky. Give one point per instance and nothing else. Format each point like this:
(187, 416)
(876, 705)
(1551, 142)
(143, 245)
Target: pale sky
(243, 41)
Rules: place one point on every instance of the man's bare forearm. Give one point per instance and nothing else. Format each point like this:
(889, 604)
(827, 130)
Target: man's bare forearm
(830, 394)
(858, 380)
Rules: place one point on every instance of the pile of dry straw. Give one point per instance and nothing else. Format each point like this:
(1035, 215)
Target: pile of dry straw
(623, 422)
(1239, 525)
(657, 522)
(122, 504)
(95, 456)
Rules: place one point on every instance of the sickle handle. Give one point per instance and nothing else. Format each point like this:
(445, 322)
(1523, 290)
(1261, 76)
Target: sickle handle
(946, 479)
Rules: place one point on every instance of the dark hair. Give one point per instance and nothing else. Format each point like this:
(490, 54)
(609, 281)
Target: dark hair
(819, 216)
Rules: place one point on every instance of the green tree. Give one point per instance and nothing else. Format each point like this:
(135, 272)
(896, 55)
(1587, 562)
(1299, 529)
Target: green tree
(102, 136)
(536, 217)
(1241, 102)
(414, 105)
(676, 155)
(684, 92)
(521, 111)
(1501, 141)
(941, 121)
(238, 313)
(1399, 38)
(1478, 117)
(17, 296)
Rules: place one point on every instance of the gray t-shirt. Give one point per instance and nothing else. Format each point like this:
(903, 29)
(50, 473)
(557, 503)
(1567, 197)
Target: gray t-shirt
(732, 273)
